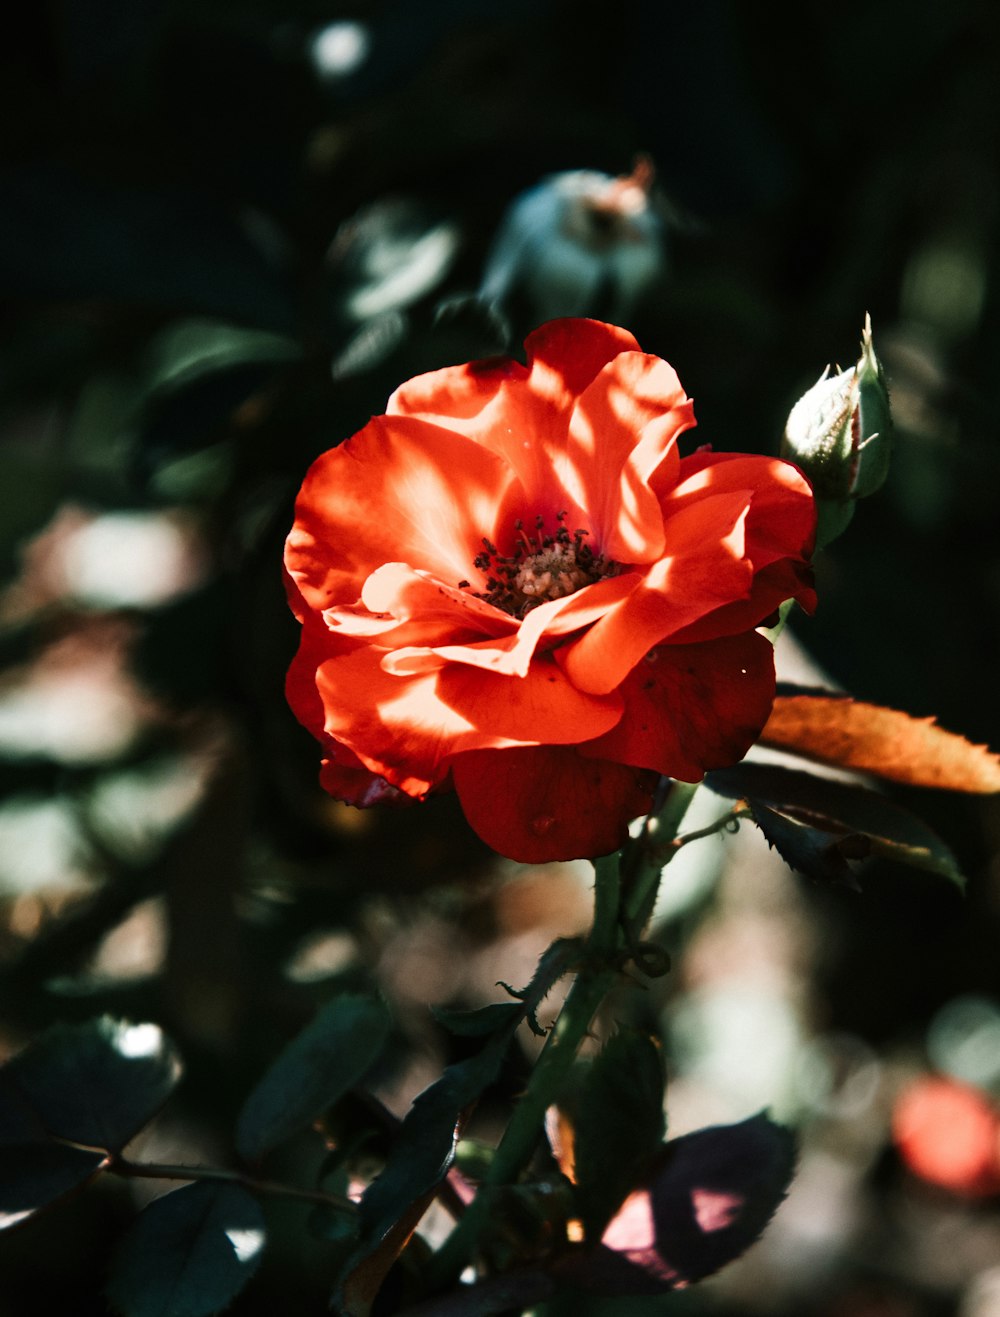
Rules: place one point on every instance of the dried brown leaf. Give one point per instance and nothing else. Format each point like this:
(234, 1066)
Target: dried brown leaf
(868, 738)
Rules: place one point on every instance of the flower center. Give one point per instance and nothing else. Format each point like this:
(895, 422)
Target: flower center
(542, 566)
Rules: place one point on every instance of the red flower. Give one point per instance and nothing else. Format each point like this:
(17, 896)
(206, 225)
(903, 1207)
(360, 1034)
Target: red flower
(513, 584)
(948, 1133)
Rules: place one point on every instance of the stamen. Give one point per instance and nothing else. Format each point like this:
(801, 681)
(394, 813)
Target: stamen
(541, 567)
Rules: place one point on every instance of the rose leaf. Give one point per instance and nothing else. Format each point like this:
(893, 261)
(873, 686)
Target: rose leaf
(329, 1057)
(843, 810)
(189, 1252)
(96, 1083)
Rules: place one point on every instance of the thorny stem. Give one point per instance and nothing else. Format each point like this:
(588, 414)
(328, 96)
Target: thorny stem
(168, 1171)
(653, 850)
(625, 887)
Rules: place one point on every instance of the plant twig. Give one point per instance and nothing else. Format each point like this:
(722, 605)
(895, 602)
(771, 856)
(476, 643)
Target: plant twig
(169, 1171)
(739, 811)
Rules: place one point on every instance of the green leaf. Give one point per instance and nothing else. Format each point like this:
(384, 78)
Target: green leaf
(423, 1152)
(716, 1190)
(96, 1083)
(197, 373)
(841, 810)
(327, 1059)
(189, 1253)
(475, 1024)
(616, 1111)
(33, 1175)
(188, 350)
(819, 855)
(425, 1143)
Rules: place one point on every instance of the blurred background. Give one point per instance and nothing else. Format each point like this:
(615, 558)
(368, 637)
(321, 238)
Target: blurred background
(227, 232)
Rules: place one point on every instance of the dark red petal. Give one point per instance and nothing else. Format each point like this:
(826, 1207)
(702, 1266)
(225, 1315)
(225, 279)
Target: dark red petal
(357, 786)
(540, 803)
(691, 708)
(541, 706)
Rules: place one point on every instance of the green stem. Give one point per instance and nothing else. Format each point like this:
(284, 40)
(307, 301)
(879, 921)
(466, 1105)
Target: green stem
(169, 1171)
(625, 885)
(607, 900)
(521, 1135)
(654, 851)
(594, 980)
(731, 816)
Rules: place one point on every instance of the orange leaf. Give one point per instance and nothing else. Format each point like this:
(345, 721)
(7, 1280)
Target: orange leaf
(361, 1287)
(847, 733)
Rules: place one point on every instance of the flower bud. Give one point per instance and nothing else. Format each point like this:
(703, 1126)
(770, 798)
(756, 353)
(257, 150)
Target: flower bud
(840, 434)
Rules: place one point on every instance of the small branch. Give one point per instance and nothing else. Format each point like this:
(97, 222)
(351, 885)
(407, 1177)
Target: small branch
(741, 811)
(169, 1171)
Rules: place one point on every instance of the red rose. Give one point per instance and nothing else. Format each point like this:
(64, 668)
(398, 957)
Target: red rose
(514, 585)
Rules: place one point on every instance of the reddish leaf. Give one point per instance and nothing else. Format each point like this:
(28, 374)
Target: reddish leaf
(868, 738)
(360, 1288)
(707, 1198)
(615, 1105)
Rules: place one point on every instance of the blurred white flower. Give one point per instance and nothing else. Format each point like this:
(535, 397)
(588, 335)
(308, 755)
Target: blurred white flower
(77, 703)
(340, 48)
(41, 846)
(389, 255)
(578, 243)
(108, 560)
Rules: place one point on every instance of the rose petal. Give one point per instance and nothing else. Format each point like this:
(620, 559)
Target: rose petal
(409, 595)
(535, 804)
(785, 579)
(704, 569)
(597, 468)
(782, 518)
(520, 413)
(300, 683)
(542, 706)
(399, 490)
(397, 726)
(691, 708)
